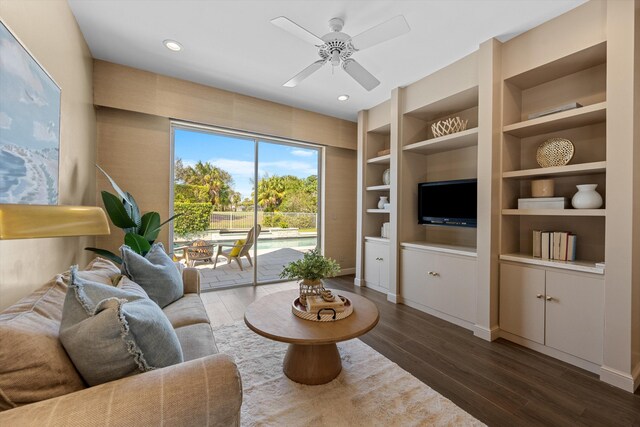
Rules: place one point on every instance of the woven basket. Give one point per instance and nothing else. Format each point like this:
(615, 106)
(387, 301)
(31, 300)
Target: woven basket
(448, 126)
(300, 310)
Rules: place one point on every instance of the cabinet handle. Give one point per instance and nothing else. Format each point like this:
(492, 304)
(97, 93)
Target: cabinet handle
(433, 273)
(539, 296)
(549, 298)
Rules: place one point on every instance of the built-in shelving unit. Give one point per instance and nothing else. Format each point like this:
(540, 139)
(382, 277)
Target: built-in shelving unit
(427, 158)
(464, 139)
(582, 266)
(578, 117)
(380, 160)
(554, 212)
(538, 89)
(486, 279)
(379, 188)
(577, 169)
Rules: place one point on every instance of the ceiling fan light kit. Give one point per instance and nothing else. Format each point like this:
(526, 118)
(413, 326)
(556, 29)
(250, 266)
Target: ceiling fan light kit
(337, 47)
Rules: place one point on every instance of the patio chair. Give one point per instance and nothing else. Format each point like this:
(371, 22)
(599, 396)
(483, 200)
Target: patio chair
(200, 250)
(238, 249)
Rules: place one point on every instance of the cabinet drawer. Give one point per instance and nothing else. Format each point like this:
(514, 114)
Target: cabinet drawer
(446, 283)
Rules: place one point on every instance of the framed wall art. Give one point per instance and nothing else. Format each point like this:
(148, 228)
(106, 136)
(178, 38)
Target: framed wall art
(29, 126)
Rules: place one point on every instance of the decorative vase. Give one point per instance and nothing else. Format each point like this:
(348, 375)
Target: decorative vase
(386, 177)
(587, 197)
(383, 200)
(310, 288)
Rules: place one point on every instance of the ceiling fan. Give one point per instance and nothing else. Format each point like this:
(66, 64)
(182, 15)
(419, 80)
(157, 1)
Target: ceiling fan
(337, 47)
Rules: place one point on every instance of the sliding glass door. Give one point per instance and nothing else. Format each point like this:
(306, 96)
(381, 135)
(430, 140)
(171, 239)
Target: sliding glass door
(249, 205)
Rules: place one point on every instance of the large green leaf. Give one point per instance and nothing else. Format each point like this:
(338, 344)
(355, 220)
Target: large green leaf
(116, 211)
(121, 193)
(132, 209)
(106, 254)
(169, 220)
(137, 243)
(150, 226)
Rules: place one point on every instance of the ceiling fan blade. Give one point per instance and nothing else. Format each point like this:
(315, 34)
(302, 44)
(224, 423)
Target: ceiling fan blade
(305, 73)
(359, 74)
(295, 29)
(388, 30)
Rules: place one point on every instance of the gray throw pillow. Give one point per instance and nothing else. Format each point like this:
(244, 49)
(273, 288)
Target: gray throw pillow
(110, 333)
(155, 272)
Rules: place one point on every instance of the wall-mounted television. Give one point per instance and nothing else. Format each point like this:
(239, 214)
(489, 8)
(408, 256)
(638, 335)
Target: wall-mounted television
(452, 203)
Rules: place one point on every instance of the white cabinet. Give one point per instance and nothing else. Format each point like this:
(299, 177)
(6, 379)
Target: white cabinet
(558, 309)
(376, 265)
(439, 283)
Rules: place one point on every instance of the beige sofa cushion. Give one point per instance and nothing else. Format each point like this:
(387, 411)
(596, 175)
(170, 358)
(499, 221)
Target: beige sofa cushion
(196, 341)
(33, 363)
(188, 310)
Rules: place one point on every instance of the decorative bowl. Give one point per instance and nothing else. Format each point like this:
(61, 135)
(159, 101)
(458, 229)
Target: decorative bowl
(555, 152)
(448, 126)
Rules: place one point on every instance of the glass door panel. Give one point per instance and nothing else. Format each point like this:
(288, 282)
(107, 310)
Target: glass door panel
(287, 205)
(213, 190)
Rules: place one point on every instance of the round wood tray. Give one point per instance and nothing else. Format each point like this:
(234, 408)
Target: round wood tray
(326, 315)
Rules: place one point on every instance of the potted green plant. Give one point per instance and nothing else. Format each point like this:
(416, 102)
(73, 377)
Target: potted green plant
(311, 269)
(140, 230)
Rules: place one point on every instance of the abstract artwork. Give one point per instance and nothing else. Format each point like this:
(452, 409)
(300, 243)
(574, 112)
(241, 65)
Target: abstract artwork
(29, 127)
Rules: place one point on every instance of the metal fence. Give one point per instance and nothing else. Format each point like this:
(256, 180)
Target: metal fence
(244, 220)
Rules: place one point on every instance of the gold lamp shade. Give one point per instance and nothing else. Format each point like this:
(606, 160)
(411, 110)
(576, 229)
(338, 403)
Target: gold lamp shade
(29, 221)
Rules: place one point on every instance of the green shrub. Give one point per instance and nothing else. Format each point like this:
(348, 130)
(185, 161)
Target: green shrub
(275, 220)
(194, 217)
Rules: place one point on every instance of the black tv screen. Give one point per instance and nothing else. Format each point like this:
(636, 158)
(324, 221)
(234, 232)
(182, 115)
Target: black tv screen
(452, 203)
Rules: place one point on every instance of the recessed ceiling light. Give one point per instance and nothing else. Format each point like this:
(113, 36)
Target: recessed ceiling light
(172, 45)
(343, 97)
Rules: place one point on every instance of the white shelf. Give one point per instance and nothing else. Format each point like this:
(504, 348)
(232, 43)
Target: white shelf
(466, 138)
(591, 114)
(376, 239)
(555, 212)
(577, 169)
(379, 211)
(584, 266)
(379, 188)
(437, 247)
(380, 160)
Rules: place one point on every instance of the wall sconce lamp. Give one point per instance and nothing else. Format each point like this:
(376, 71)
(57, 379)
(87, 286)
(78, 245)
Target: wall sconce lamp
(30, 221)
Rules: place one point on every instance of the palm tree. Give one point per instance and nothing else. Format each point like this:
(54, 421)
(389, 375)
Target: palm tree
(271, 192)
(218, 181)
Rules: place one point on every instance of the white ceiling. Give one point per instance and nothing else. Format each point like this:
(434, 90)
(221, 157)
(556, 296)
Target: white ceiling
(231, 44)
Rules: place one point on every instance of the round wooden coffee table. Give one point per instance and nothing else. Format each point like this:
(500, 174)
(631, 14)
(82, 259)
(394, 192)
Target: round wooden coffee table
(312, 357)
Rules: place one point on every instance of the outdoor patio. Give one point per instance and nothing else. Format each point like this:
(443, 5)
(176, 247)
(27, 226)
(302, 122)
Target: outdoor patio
(270, 263)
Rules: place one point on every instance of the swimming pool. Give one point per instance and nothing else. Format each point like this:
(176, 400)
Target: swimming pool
(281, 242)
(289, 242)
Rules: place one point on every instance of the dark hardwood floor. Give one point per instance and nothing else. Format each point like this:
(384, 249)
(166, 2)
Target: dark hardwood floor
(500, 383)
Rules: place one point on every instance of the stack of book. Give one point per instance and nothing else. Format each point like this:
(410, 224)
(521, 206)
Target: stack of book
(556, 245)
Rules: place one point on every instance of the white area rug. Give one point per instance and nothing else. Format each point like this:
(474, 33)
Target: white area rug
(370, 391)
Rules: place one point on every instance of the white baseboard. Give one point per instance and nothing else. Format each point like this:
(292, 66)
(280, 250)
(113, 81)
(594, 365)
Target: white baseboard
(486, 334)
(347, 271)
(394, 298)
(621, 379)
(557, 354)
(441, 315)
(358, 282)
